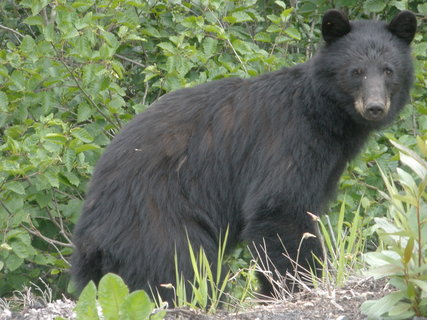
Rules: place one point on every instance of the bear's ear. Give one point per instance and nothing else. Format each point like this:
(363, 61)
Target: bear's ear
(404, 26)
(335, 24)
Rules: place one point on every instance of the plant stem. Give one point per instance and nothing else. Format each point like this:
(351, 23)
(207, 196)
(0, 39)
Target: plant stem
(419, 233)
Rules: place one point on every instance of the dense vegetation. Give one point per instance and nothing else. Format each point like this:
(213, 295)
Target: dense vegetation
(73, 72)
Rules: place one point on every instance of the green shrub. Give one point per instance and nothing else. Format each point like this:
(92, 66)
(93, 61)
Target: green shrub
(402, 255)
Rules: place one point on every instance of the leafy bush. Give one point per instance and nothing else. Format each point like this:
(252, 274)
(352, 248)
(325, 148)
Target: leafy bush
(403, 238)
(73, 72)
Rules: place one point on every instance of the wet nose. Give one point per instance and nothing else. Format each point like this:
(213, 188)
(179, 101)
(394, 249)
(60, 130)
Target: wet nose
(375, 110)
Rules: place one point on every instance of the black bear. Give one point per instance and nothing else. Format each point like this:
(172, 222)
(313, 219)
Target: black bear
(252, 155)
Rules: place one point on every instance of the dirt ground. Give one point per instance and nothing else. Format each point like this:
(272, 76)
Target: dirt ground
(336, 304)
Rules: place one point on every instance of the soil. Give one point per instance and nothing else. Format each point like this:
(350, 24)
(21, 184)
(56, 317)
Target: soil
(336, 304)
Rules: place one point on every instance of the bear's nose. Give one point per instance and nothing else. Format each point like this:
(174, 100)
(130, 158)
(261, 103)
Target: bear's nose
(375, 110)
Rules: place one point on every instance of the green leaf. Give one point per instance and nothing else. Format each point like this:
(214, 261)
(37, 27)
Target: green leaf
(71, 178)
(35, 5)
(422, 284)
(380, 307)
(374, 5)
(82, 135)
(422, 8)
(168, 47)
(210, 46)
(52, 176)
(49, 32)
(86, 305)
(293, 33)
(4, 101)
(280, 3)
(241, 16)
(111, 294)
(263, 37)
(34, 21)
(407, 255)
(401, 310)
(56, 138)
(21, 249)
(69, 157)
(86, 147)
(15, 186)
(136, 306)
(84, 112)
(13, 262)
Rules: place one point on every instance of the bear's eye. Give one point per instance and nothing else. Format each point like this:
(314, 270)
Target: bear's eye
(356, 72)
(388, 71)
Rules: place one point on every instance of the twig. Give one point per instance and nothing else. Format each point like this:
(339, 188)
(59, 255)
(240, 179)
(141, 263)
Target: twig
(88, 97)
(11, 30)
(53, 242)
(230, 44)
(129, 60)
(60, 225)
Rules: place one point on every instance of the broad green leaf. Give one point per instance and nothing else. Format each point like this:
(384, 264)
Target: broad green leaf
(111, 294)
(13, 262)
(16, 187)
(168, 47)
(293, 33)
(86, 147)
(422, 284)
(52, 176)
(280, 3)
(422, 8)
(28, 45)
(382, 306)
(151, 31)
(374, 5)
(263, 37)
(34, 21)
(84, 112)
(403, 310)
(49, 32)
(21, 249)
(71, 178)
(118, 68)
(86, 305)
(4, 101)
(35, 5)
(210, 46)
(69, 158)
(82, 135)
(58, 138)
(241, 16)
(420, 168)
(136, 306)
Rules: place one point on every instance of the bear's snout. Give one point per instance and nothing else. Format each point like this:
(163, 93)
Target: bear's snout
(375, 110)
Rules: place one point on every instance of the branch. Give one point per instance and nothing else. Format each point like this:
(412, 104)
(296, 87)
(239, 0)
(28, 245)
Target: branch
(11, 30)
(88, 97)
(129, 60)
(53, 242)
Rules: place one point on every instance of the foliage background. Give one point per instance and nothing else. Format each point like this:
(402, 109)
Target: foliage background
(73, 72)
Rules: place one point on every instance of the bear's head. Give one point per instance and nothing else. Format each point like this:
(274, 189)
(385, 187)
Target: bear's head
(370, 62)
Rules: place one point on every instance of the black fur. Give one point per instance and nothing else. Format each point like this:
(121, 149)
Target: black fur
(254, 155)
